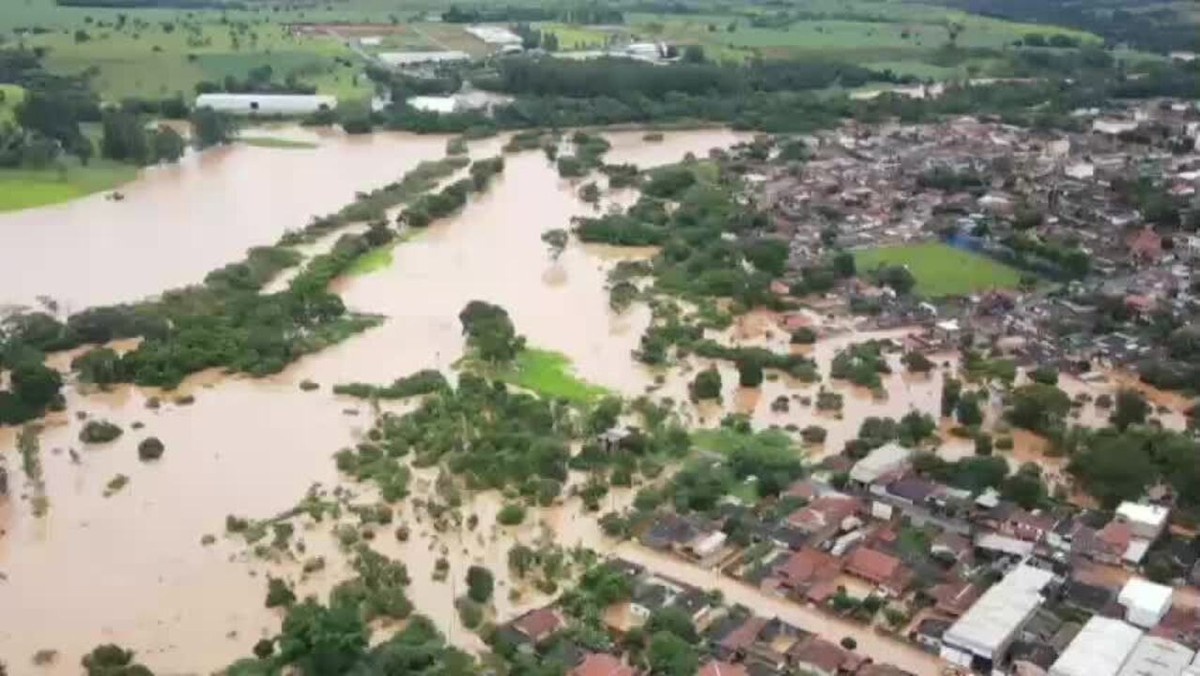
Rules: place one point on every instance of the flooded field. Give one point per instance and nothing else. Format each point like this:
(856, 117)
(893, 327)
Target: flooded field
(178, 222)
(131, 567)
(134, 566)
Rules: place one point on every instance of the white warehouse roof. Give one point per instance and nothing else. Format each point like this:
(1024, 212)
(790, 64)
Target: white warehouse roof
(1146, 602)
(1155, 656)
(887, 458)
(1099, 649)
(415, 58)
(277, 104)
(991, 623)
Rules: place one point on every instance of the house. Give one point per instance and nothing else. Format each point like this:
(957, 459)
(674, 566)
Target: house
(1031, 658)
(1099, 649)
(696, 603)
(882, 570)
(733, 646)
(821, 657)
(1145, 245)
(1155, 656)
(535, 626)
(955, 598)
(266, 104)
(1147, 521)
(891, 459)
(1146, 603)
(980, 638)
(602, 664)
(806, 568)
(826, 516)
(721, 668)
(1087, 597)
(670, 531)
(881, 669)
(929, 632)
(950, 547)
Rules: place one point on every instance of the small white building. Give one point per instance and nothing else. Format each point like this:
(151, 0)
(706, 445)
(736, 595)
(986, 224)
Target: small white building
(1099, 649)
(1155, 656)
(1146, 521)
(1145, 602)
(266, 104)
(410, 59)
(890, 458)
(496, 35)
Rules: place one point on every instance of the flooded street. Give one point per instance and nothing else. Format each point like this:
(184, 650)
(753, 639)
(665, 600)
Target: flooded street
(131, 568)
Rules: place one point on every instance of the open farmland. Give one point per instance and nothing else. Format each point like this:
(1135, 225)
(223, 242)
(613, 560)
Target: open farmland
(941, 270)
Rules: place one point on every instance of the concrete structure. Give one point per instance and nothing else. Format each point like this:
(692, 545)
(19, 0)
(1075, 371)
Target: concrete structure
(496, 35)
(982, 635)
(887, 459)
(1155, 656)
(1145, 602)
(1099, 649)
(1147, 521)
(266, 104)
(408, 59)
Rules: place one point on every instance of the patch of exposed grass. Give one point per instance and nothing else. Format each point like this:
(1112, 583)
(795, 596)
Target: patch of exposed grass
(272, 142)
(942, 270)
(10, 96)
(549, 374)
(27, 188)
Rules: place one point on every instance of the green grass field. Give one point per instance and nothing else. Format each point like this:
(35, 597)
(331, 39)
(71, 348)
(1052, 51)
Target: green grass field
(550, 374)
(10, 97)
(941, 270)
(26, 188)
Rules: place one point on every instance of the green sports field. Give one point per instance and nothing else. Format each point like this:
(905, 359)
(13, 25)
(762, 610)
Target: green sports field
(941, 270)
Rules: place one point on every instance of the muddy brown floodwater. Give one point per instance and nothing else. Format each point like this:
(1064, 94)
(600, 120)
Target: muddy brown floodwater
(130, 568)
(178, 222)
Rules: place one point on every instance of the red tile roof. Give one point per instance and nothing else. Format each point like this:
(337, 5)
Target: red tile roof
(719, 668)
(819, 653)
(808, 566)
(601, 664)
(954, 598)
(744, 635)
(823, 512)
(539, 623)
(872, 564)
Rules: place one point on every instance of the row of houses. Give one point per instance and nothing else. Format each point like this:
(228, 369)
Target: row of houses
(735, 640)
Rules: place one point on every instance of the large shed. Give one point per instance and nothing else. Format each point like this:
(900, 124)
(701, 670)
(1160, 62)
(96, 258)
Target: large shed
(1157, 656)
(266, 104)
(982, 635)
(887, 459)
(1099, 649)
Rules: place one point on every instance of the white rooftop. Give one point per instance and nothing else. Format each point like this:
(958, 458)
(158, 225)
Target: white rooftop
(1136, 512)
(1145, 593)
(414, 58)
(1155, 656)
(887, 458)
(1099, 649)
(991, 623)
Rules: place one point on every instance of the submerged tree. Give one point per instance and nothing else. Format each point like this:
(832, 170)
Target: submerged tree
(556, 241)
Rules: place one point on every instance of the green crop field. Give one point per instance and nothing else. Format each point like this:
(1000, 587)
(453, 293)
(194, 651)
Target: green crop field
(941, 270)
(26, 188)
